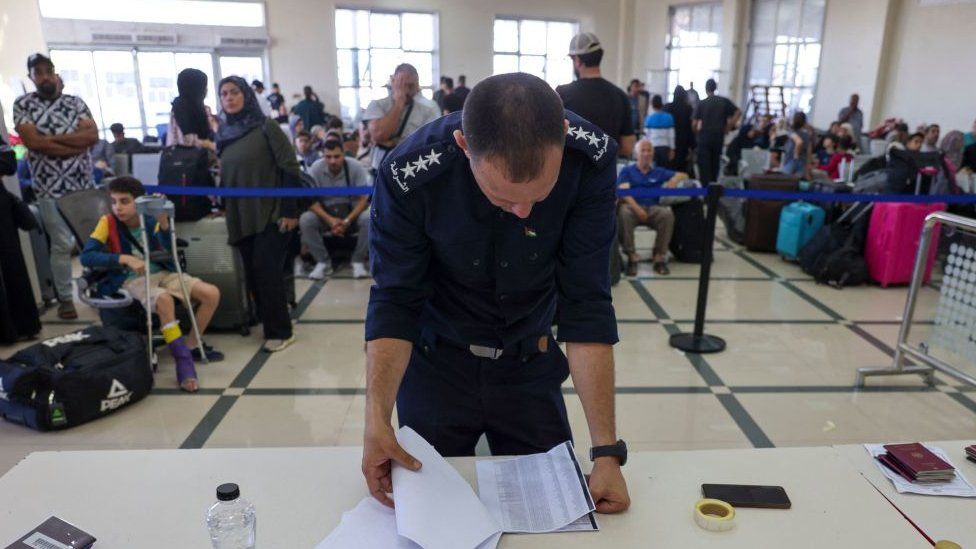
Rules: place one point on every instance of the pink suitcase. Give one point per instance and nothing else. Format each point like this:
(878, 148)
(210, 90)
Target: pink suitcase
(893, 239)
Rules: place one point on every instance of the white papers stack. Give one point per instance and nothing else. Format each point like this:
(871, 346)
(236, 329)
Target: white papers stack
(959, 486)
(537, 493)
(437, 509)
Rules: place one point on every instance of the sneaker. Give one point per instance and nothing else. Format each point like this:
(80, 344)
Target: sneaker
(359, 270)
(66, 310)
(299, 268)
(213, 355)
(275, 345)
(321, 271)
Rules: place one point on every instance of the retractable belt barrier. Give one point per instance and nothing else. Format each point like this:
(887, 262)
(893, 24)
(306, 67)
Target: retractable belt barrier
(695, 342)
(296, 192)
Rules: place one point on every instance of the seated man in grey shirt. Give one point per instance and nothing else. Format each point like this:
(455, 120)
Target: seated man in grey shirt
(337, 215)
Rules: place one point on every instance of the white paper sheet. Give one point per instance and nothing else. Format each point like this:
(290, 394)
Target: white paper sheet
(537, 493)
(370, 525)
(436, 507)
(959, 486)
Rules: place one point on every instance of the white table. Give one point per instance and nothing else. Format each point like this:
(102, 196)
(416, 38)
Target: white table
(948, 518)
(158, 498)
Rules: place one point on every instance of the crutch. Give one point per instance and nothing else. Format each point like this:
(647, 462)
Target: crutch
(157, 205)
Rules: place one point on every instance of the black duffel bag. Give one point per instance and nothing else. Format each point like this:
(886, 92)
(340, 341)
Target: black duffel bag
(181, 166)
(74, 378)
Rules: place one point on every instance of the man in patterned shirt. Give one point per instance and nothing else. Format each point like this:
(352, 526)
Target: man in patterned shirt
(58, 130)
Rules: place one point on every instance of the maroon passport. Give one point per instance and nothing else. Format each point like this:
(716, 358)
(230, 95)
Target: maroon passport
(917, 459)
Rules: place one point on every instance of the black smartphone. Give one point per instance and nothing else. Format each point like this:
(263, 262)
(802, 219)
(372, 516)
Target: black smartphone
(741, 495)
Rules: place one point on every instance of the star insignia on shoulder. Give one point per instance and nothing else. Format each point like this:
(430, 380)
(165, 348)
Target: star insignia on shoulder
(594, 140)
(577, 132)
(420, 164)
(408, 170)
(433, 157)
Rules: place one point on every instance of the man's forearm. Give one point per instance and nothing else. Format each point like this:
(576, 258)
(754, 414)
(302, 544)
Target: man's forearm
(53, 148)
(591, 365)
(82, 138)
(318, 210)
(386, 362)
(358, 209)
(382, 129)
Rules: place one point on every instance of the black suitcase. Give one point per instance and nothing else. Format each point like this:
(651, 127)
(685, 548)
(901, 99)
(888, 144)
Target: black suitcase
(41, 249)
(187, 167)
(688, 239)
(74, 378)
(762, 216)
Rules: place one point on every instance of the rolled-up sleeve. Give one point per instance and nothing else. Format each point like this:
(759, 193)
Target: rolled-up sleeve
(399, 249)
(583, 270)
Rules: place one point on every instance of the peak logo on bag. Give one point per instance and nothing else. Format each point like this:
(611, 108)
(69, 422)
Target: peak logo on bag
(117, 396)
(66, 338)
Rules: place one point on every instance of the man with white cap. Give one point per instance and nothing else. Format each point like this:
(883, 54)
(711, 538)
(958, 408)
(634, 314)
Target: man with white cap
(593, 97)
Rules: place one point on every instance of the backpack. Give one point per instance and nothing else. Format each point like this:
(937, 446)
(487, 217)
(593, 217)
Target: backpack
(187, 167)
(74, 378)
(842, 267)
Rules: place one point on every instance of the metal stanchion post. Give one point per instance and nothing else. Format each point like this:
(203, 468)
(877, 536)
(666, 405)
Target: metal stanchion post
(698, 341)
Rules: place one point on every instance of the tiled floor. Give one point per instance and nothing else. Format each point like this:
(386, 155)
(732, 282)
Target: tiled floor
(786, 378)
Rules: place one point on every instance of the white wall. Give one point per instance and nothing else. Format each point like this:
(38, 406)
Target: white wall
(931, 76)
(303, 36)
(20, 36)
(853, 42)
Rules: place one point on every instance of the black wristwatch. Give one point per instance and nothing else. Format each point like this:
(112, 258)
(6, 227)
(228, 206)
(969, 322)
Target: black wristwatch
(618, 450)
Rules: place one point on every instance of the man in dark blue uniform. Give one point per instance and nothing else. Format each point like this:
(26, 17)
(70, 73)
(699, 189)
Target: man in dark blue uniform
(482, 223)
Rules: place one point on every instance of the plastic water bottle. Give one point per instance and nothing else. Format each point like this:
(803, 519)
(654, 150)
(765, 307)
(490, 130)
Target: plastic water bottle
(231, 521)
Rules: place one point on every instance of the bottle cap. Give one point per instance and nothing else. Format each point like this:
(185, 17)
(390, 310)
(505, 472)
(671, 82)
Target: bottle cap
(228, 492)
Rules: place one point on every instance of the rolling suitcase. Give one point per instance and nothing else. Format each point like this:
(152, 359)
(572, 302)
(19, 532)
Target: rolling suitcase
(41, 247)
(689, 231)
(894, 235)
(209, 257)
(798, 223)
(762, 216)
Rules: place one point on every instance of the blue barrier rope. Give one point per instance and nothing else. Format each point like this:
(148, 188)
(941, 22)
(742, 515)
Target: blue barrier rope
(261, 192)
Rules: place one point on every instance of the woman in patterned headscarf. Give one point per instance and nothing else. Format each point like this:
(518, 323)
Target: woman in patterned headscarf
(255, 153)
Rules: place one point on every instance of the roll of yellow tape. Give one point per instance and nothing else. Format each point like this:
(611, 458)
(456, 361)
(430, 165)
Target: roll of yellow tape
(714, 515)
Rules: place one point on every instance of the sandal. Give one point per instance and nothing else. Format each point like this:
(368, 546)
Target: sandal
(661, 268)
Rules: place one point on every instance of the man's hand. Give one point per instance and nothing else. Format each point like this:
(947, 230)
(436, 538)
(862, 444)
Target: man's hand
(641, 213)
(133, 263)
(286, 224)
(608, 487)
(340, 227)
(401, 91)
(380, 450)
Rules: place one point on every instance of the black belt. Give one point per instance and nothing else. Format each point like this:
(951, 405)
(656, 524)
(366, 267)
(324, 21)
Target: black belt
(524, 348)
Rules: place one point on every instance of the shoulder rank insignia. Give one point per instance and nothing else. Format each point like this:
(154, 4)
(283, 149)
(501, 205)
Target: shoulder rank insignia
(415, 166)
(592, 141)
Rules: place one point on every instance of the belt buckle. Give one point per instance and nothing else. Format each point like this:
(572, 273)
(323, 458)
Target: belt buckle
(481, 351)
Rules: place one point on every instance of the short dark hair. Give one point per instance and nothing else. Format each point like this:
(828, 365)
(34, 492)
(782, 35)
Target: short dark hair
(449, 82)
(331, 144)
(711, 85)
(304, 134)
(36, 59)
(591, 59)
(657, 102)
(257, 84)
(126, 184)
(901, 126)
(918, 135)
(334, 122)
(462, 79)
(116, 128)
(799, 120)
(845, 143)
(513, 117)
